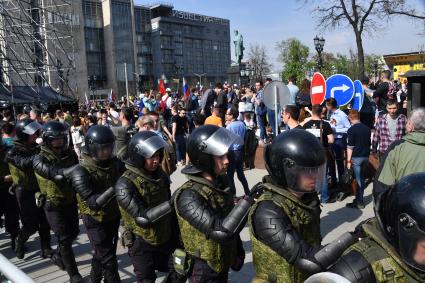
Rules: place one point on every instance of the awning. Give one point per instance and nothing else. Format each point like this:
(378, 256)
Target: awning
(33, 95)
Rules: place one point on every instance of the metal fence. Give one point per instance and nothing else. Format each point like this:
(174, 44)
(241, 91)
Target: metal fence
(12, 273)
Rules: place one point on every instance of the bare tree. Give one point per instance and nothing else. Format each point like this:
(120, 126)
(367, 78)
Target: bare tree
(259, 61)
(362, 16)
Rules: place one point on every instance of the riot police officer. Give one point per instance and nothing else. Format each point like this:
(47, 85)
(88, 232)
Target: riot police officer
(392, 244)
(93, 179)
(285, 220)
(60, 203)
(209, 221)
(8, 204)
(143, 194)
(20, 159)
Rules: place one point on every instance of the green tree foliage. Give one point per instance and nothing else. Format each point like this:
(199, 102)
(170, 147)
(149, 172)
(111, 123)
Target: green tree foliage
(294, 57)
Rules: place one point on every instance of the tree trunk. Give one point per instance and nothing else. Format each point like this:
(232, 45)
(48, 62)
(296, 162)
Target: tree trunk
(360, 54)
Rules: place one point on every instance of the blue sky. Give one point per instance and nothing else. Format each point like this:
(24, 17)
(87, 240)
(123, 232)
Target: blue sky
(266, 22)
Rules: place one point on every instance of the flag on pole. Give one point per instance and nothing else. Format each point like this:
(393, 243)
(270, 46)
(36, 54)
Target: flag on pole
(87, 100)
(161, 87)
(186, 91)
(111, 96)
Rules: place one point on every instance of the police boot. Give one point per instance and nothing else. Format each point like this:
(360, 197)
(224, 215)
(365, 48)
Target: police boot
(20, 241)
(96, 271)
(13, 241)
(57, 260)
(68, 259)
(110, 272)
(46, 250)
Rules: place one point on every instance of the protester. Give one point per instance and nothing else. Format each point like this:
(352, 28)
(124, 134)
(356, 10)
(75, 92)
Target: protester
(293, 89)
(390, 127)
(383, 92)
(358, 150)
(323, 131)
(179, 131)
(198, 120)
(290, 115)
(303, 97)
(77, 136)
(406, 155)
(236, 151)
(191, 107)
(215, 118)
(165, 104)
(260, 110)
(248, 121)
(340, 125)
(368, 110)
(208, 99)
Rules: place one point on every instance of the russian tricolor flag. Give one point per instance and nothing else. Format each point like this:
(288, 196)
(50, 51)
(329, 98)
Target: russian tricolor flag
(186, 91)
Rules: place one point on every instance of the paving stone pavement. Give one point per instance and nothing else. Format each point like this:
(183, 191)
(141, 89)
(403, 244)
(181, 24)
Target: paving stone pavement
(335, 220)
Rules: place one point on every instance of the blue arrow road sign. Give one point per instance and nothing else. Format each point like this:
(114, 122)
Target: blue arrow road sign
(341, 88)
(358, 96)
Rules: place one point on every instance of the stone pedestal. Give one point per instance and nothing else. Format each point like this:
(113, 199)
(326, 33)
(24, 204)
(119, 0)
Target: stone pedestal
(234, 74)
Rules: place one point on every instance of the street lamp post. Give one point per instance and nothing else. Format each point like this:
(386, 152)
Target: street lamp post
(242, 77)
(375, 69)
(200, 77)
(319, 43)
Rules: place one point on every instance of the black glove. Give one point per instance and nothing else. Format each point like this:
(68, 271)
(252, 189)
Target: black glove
(256, 191)
(64, 174)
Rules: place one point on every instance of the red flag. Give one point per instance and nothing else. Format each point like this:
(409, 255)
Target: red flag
(161, 88)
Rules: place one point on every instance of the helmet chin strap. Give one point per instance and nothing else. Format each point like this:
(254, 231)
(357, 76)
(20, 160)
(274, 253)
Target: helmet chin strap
(102, 163)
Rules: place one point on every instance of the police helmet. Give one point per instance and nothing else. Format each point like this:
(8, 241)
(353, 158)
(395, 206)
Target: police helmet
(295, 153)
(55, 135)
(25, 128)
(144, 145)
(99, 143)
(206, 142)
(400, 211)
(26, 109)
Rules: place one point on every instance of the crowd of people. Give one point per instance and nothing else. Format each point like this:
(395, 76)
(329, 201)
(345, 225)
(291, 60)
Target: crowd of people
(110, 165)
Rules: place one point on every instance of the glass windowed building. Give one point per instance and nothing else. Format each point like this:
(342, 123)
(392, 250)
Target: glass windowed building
(155, 42)
(114, 37)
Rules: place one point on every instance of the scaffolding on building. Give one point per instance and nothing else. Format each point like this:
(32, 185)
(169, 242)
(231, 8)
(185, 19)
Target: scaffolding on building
(37, 44)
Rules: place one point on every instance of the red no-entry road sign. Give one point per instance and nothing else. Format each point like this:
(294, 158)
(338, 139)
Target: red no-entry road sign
(318, 89)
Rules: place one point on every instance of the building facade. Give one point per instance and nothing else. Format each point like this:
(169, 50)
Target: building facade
(111, 38)
(401, 63)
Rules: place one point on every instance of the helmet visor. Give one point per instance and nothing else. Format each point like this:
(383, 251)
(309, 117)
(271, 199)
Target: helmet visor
(101, 152)
(411, 242)
(32, 128)
(147, 148)
(305, 179)
(218, 144)
(58, 142)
